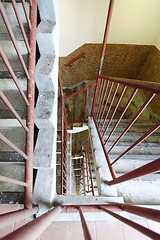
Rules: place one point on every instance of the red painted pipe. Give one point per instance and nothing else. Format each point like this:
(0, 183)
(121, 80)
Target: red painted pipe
(13, 217)
(86, 232)
(75, 59)
(30, 108)
(21, 25)
(145, 231)
(109, 16)
(145, 212)
(146, 86)
(33, 229)
(151, 167)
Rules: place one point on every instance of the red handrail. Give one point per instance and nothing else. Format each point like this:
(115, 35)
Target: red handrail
(75, 59)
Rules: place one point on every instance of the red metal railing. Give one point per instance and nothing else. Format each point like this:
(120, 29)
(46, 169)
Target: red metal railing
(35, 228)
(64, 139)
(75, 59)
(85, 173)
(29, 71)
(79, 107)
(103, 107)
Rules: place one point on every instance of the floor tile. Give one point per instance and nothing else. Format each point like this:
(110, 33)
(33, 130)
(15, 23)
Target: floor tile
(109, 231)
(57, 231)
(75, 231)
(132, 234)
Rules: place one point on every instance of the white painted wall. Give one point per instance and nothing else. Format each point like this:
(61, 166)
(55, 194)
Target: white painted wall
(133, 22)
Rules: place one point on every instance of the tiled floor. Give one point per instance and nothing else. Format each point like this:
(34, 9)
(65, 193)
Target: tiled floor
(73, 230)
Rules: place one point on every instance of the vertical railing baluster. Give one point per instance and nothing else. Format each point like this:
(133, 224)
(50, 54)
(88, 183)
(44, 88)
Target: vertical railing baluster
(30, 107)
(123, 112)
(100, 100)
(102, 104)
(90, 169)
(84, 183)
(98, 97)
(21, 25)
(149, 99)
(85, 107)
(115, 109)
(71, 109)
(105, 106)
(87, 168)
(26, 14)
(109, 108)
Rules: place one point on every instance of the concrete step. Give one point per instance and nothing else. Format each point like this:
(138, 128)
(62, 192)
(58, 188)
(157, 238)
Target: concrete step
(15, 63)
(11, 14)
(15, 98)
(4, 35)
(128, 137)
(151, 177)
(15, 171)
(12, 130)
(11, 157)
(7, 84)
(9, 48)
(142, 148)
(135, 128)
(7, 114)
(132, 157)
(140, 192)
(124, 122)
(127, 165)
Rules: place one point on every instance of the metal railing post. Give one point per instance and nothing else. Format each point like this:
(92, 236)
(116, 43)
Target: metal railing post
(33, 229)
(30, 108)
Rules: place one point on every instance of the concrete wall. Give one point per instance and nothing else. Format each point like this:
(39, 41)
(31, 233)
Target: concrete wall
(133, 22)
(46, 107)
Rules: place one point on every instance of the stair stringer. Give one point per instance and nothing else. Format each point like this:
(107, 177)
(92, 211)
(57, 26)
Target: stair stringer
(46, 107)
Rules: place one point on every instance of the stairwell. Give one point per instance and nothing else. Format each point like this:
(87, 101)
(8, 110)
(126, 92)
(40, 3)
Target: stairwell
(47, 162)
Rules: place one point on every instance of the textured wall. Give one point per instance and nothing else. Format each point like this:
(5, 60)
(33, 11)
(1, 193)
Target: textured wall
(128, 61)
(120, 60)
(150, 72)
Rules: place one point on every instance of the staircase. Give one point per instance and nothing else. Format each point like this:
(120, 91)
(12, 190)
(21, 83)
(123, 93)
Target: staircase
(47, 189)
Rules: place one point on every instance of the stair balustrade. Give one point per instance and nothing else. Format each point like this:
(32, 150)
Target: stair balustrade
(29, 71)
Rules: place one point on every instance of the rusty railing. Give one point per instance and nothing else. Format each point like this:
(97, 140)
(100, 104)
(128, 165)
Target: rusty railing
(29, 70)
(103, 113)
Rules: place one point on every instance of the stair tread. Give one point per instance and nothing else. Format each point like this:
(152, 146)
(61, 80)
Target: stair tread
(154, 137)
(7, 84)
(11, 157)
(4, 36)
(11, 197)
(7, 114)
(136, 157)
(15, 171)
